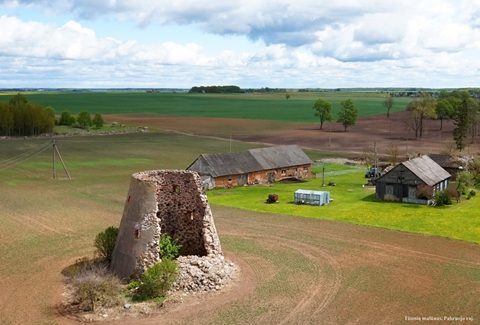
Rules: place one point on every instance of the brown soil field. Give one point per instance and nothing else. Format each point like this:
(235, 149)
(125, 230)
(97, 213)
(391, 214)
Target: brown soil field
(294, 271)
(360, 138)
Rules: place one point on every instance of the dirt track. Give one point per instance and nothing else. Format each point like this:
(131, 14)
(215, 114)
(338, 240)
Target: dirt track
(350, 274)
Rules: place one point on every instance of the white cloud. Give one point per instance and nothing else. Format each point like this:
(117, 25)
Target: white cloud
(403, 42)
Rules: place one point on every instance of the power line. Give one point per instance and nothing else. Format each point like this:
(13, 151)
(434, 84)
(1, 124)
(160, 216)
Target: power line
(22, 155)
(22, 158)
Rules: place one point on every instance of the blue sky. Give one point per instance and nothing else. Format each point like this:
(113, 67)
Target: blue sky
(293, 44)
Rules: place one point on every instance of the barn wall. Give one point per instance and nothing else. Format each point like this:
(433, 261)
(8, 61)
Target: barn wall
(262, 177)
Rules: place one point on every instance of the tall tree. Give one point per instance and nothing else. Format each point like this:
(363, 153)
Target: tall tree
(322, 109)
(388, 103)
(445, 109)
(465, 117)
(348, 114)
(420, 109)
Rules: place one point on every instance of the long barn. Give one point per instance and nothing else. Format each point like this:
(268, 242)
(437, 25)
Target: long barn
(254, 166)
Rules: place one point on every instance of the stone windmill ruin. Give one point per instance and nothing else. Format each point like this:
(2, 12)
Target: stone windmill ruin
(170, 202)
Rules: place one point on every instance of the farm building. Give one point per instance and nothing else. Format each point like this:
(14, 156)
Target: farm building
(254, 166)
(450, 163)
(311, 197)
(413, 181)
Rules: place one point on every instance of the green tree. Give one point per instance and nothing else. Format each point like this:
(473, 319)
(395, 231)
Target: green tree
(6, 120)
(420, 109)
(84, 119)
(348, 114)
(66, 119)
(98, 120)
(388, 103)
(464, 118)
(322, 109)
(445, 109)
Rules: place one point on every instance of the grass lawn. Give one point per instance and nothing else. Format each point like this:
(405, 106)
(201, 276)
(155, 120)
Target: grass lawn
(356, 204)
(249, 106)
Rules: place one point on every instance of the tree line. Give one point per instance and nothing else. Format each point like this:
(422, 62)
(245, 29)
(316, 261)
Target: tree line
(19, 117)
(216, 89)
(460, 106)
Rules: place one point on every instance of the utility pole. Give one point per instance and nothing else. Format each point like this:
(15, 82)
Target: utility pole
(230, 143)
(57, 152)
(323, 175)
(54, 172)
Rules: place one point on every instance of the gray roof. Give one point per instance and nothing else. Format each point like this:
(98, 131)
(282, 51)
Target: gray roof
(236, 163)
(445, 161)
(427, 170)
(280, 156)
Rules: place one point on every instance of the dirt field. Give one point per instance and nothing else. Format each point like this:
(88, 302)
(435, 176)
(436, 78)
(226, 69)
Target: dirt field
(296, 271)
(387, 133)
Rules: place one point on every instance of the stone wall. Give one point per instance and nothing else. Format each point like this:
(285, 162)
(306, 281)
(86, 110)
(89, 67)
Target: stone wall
(163, 202)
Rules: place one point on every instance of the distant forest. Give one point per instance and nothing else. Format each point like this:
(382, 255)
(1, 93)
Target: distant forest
(19, 117)
(216, 90)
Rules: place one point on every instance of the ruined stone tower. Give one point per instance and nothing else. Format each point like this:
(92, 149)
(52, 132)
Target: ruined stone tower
(163, 202)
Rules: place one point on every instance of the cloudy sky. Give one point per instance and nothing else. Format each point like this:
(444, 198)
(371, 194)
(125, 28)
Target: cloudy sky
(250, 43)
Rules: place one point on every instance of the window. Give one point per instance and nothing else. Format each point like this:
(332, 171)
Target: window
(284, 172)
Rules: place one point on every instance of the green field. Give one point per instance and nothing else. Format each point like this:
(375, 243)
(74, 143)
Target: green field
(354, 203)
(249, 106)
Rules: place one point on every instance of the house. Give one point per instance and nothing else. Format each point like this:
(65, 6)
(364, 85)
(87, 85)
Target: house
(450, 163)
(254, 166)
(413, 181)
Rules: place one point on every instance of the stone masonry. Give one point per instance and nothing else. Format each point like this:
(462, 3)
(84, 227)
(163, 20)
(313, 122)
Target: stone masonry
(169, 202)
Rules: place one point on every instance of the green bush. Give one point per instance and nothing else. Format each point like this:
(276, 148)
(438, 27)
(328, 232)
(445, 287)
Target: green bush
(169, 248)
(442, 198)
(105, 243)
(84, 120)
(96, 287)
(157, 280)
(97, 121)
(66, 119)
(471, 194)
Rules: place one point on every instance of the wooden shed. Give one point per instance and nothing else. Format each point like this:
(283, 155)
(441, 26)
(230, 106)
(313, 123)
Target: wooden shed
(413, 181)
(254, 166)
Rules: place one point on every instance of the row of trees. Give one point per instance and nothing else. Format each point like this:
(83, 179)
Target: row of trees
(347, 115)
(19, 117)
(459, 106)
(216, 89)
(83, 120)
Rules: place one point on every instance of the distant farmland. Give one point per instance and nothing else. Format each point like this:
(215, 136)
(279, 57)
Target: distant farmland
(248, 106)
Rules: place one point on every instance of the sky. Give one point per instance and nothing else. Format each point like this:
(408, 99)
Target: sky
(249, 43)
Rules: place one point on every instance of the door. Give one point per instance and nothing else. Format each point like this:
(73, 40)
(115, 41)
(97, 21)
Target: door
(271, 178)
(412, 192)
(243, 179)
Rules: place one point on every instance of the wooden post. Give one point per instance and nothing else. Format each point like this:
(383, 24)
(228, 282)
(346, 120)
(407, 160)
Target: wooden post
(54, 172)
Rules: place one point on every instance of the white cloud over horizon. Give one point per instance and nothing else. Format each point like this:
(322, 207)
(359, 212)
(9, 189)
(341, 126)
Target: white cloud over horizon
(302, 44)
